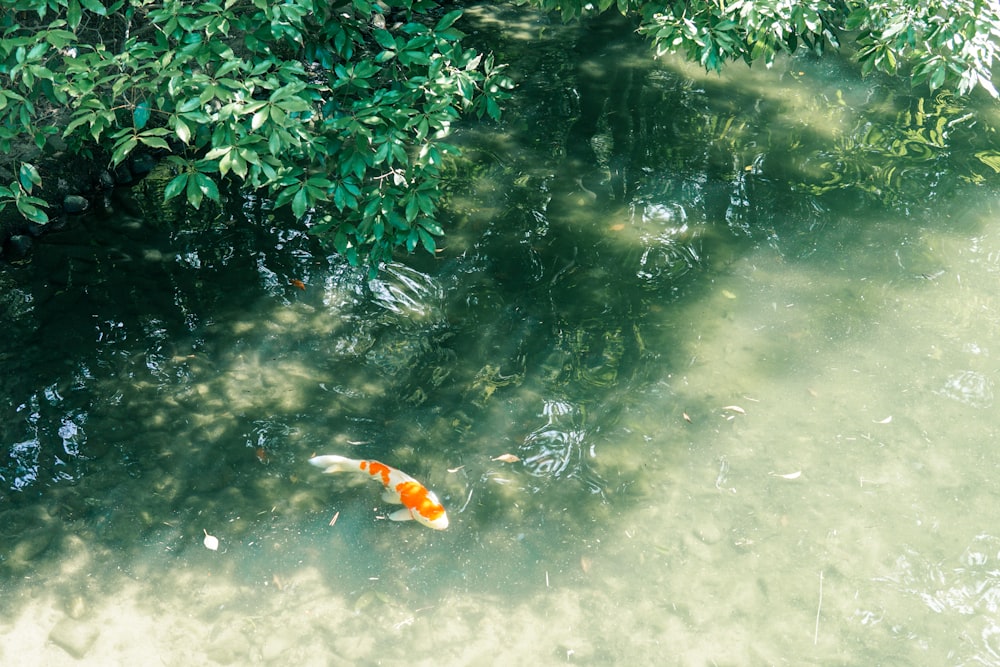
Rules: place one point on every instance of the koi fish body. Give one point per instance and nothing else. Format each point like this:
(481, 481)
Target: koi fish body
(419, 503)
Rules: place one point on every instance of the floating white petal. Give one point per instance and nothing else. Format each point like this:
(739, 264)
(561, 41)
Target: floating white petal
(211, 541)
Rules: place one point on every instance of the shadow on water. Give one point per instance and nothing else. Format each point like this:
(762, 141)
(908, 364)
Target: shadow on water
(166, 381)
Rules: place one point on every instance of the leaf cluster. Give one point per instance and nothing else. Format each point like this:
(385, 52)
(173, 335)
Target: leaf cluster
(19, 194)
(945, 42)
(339, 111)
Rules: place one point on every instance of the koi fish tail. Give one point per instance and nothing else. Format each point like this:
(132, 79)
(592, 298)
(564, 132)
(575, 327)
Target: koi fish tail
(332, 463)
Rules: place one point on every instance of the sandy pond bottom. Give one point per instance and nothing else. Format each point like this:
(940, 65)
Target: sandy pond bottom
(184, 614)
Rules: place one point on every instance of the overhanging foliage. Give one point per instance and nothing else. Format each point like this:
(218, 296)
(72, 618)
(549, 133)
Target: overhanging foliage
(339, 111)
(943, 41)
(342, 111)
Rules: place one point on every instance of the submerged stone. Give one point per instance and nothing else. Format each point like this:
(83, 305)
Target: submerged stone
(19, 245)
(75, 204)
(142, 164)
(74, 637)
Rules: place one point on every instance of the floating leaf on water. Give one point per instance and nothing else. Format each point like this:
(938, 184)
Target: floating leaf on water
(506, 458)
(735, 408)
(791, 475)
(211, 541)
(883, 421)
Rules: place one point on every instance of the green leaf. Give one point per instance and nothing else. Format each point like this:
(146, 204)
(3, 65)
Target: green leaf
(123, 148)
(28, 176)
(936, 78)
(447, 20)
(154, 142)
(206, 185)
(182, 130)
(31, 212)
(427, 241)
(432, 227)
(384, 39)
(94, 6)
(300, 202)
(259, 118)
(140, 115)
(412, 209)
(194, 193)
(175, 186)
(74, 13)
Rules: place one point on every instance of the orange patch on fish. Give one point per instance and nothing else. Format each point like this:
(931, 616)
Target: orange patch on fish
(375, 468)
(414, 496)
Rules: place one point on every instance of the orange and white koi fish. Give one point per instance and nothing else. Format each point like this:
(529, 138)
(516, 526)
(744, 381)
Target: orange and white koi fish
(419, 503)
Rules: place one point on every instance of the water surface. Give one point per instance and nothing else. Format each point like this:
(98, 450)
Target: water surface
(742, 353)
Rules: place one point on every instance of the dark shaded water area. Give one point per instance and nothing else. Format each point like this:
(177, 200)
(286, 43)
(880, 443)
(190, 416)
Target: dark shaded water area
(704, 374)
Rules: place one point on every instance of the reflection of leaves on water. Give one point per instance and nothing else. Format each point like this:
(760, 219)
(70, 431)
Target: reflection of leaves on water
(590, 354)
(897, 160)
(490, 378)
(970, 587)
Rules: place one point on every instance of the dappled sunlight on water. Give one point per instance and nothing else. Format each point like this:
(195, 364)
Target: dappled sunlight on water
(679, 409)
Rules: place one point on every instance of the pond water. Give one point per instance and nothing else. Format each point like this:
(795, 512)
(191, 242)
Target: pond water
(741, 346)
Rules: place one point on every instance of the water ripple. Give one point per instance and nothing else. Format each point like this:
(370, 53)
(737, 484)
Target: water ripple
(970, 587)
(548, 451)
(969, 387)
(406, 291)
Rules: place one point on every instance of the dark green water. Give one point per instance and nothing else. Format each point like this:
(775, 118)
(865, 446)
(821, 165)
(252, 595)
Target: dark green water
(739, 333)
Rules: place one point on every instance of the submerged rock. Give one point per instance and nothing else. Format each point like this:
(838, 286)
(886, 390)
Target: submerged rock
(74, 637)
(18, 246)
(142, 164)
(75, 204)
(28, 546)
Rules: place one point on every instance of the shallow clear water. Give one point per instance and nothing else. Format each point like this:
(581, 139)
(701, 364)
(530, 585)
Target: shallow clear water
(753, 411)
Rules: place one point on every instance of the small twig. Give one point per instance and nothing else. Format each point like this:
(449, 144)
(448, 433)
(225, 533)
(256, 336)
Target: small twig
(818, 607)
(466, 502)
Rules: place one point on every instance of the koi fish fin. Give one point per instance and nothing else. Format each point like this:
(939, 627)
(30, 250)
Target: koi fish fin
(391, 496)
(401, 515)
(332, 463)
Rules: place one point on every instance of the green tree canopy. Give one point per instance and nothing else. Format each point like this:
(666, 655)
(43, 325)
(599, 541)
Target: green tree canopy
(939, 42)
(342, 110)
